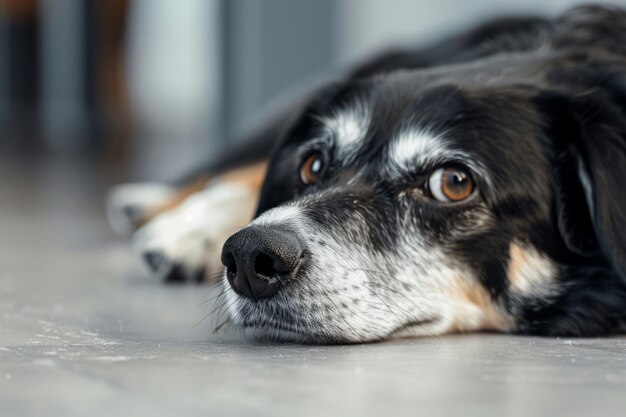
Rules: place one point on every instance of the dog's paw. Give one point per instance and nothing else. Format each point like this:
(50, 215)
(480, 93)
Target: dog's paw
(184, 244)
(129, 205)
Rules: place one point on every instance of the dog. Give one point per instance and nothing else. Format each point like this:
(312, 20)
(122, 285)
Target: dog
(477, 185)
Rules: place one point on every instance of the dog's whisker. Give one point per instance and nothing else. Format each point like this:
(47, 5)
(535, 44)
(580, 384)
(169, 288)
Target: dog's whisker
(397, 292)
(217, 328)
(410, 316)
(216, 311)
(215, 297)
(214, 275)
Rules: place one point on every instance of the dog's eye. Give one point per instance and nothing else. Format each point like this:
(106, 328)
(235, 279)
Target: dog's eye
(450, 184)
(311, 168)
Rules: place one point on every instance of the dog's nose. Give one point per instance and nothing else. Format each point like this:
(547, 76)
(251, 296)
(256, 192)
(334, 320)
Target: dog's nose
(259, 260)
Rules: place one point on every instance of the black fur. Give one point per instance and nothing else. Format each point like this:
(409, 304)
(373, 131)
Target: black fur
(542, 106)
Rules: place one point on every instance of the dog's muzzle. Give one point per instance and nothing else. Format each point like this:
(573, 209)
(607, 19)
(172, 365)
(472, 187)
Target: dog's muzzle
(259, 260)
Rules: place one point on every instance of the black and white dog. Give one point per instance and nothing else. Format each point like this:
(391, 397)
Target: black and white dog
(477, 185)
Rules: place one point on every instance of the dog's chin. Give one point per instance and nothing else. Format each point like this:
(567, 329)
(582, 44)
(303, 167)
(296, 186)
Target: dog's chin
(279, 334)
(288, 325)
(417, 328)
(267, 331)
(272, 334)
(270, 331)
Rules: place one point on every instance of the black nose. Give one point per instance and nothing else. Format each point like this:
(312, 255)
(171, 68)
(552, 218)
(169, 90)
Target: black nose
(259, 260)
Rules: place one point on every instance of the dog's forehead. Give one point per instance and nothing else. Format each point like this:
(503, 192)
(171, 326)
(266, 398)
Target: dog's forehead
(408, 127)
(403, 149)
(402, 132)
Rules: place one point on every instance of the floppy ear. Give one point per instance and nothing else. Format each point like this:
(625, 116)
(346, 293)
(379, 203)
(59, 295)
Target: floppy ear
(589, 143)
(602, 146)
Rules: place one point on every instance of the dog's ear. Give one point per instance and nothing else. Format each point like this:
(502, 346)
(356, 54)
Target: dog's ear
(602, 146)
(588, 134)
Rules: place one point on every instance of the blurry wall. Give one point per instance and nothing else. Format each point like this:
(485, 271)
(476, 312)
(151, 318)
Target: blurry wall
(174, 72)
(199, 72)
(160, 86)
(365, 26)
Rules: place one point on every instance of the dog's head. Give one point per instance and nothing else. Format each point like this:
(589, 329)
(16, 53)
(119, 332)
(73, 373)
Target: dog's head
(417, 204)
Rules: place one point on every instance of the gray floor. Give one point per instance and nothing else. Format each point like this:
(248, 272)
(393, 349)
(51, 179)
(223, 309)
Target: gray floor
(83, 334)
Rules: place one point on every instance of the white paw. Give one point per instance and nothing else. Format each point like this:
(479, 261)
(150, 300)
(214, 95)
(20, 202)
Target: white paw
(128, 204)
(184, 244)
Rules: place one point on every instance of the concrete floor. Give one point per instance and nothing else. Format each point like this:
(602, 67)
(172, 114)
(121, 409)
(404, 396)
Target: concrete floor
(83, 334)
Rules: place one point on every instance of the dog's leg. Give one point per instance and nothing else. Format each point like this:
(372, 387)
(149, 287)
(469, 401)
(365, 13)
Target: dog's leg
(131, 206)
(182, 235)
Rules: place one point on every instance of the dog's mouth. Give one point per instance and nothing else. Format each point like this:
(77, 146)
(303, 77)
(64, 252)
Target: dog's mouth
(415, 328)
(272, 330)
(276, 332)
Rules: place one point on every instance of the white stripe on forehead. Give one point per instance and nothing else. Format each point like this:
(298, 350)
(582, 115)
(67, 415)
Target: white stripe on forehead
(413, 148)
(348, 128)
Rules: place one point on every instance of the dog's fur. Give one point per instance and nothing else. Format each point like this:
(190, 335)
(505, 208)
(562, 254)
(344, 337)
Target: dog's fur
(533, 109)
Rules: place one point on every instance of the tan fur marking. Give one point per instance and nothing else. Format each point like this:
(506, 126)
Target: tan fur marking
(250, 175)
(181, 195)
(528, 271)
(517, 259)
(475, 310)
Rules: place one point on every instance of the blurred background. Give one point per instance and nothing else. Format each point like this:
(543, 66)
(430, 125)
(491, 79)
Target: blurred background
(97, 92)
(155, 87)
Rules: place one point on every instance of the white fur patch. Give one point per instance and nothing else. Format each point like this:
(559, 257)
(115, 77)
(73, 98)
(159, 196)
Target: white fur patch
(278, 215)
(415, 148)
(192, 234)
(348, 128)
(412, 150)
(127, 203)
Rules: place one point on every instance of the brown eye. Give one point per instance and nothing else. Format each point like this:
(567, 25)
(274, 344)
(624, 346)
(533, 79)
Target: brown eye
(311, 168)
(450, 184)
